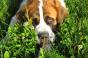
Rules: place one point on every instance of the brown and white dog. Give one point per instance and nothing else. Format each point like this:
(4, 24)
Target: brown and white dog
(45, 14)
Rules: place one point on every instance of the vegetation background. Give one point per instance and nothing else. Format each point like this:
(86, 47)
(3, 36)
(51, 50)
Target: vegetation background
(21, 42)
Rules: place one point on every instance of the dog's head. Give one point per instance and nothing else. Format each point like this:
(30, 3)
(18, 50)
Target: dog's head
(51, 13)
(46, 14)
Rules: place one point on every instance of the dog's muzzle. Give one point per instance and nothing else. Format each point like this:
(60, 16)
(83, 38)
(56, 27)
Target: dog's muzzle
(45, 35)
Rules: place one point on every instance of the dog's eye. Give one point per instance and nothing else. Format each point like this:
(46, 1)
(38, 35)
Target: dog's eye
(49, 21)
(35, 21)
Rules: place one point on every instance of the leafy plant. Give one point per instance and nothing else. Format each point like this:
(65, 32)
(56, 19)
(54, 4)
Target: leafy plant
(20, 42)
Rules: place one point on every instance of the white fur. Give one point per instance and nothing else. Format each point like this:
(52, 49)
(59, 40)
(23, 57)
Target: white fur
(13, 21)
(43, 27)
(62, 3)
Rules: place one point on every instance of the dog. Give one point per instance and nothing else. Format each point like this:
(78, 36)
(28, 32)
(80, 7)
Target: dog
(45, 15)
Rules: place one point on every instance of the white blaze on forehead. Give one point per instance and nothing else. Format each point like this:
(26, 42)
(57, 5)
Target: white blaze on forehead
(43, 27)
(41, 11)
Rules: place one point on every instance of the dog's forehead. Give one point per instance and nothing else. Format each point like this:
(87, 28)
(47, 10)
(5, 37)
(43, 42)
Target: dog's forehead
(50, 8)
(40, 17)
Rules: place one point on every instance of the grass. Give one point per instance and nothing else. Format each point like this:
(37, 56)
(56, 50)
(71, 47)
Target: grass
(72, 40)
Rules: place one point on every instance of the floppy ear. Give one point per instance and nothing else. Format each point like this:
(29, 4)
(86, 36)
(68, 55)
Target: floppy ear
(62, 12)
(28, 8)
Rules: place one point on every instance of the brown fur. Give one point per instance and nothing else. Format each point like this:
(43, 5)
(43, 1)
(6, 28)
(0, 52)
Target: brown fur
(52, 8)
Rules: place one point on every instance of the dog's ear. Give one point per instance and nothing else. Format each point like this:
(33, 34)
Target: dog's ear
(62, 12)
(27, 9)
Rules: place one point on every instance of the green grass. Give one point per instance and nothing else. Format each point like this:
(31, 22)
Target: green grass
(72, 39)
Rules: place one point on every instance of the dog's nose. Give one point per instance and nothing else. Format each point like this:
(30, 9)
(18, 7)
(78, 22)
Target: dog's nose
(43, 35)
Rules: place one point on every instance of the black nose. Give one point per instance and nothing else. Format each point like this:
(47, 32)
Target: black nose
(43, 35)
